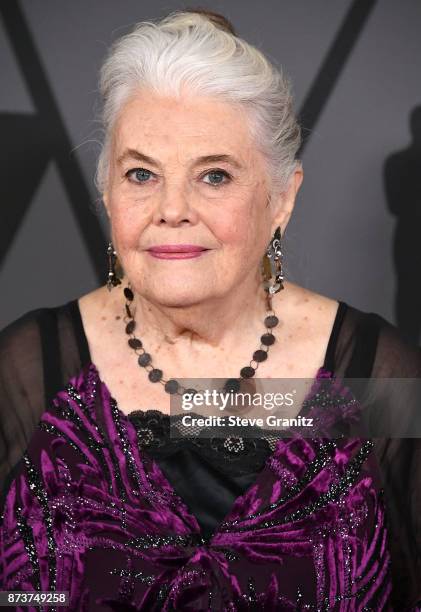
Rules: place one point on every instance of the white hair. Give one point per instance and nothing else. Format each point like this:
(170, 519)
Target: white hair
(191, 50)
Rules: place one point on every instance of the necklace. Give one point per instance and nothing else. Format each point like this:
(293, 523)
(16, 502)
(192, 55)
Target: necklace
(171, 385)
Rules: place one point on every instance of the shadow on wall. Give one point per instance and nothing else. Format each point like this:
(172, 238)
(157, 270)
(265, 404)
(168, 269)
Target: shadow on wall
(402, 177)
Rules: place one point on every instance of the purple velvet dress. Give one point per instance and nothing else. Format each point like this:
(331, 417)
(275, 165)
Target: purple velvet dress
(88, 511)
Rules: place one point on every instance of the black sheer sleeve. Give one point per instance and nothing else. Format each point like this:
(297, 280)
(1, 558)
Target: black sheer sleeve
(370, 347)
(400, 457)
(39, 352)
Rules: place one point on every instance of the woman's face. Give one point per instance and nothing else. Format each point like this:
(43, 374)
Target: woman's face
(186, 173)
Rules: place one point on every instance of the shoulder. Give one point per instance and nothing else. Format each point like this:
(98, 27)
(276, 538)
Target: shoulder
(24, 331)
(312, 318)
(43, 345)
(94, 304)
(396, 356)
(99, 311)
(365, 342)
(306, 309)
(391, 354)
(27, 330)
(23, 345)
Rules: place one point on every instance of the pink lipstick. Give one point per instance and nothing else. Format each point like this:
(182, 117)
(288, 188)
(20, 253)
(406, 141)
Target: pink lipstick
(176, 251)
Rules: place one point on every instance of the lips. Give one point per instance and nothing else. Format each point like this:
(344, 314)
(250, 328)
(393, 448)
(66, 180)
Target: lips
(177, 248)
(177, 251)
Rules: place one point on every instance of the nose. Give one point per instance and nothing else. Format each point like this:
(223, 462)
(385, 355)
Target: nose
(175, 206)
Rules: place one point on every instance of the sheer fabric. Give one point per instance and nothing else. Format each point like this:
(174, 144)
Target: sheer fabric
(44, 349)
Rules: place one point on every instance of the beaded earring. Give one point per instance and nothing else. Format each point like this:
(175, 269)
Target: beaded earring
(112, 278)
(272, 265)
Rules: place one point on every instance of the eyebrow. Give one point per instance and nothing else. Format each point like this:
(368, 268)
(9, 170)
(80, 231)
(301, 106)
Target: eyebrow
(204, 159)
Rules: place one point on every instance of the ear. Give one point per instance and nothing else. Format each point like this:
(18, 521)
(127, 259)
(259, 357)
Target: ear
(283, 204)
(106, 203)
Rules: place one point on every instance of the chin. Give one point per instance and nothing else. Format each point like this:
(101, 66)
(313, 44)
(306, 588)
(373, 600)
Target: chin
(167, 294)
(177, 301)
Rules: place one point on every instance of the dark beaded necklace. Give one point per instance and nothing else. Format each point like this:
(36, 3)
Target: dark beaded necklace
(172, 386)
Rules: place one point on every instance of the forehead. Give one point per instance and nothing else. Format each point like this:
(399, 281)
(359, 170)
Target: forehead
(191, 122)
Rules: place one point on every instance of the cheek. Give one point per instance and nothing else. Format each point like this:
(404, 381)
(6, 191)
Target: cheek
(243, 228)
(128, 222)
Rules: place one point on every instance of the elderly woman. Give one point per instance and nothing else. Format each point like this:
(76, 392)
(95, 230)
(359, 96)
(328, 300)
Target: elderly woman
(199, 176)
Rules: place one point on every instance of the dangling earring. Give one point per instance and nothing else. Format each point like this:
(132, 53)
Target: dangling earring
(272, 265)
(112, 280)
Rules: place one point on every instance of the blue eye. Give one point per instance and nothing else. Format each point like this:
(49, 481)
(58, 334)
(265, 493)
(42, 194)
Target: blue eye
(218, 173)
(139, 175)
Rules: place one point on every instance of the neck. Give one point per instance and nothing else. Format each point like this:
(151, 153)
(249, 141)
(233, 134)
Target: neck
(219, 321)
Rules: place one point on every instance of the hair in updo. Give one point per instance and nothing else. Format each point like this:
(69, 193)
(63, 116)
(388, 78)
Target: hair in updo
(199, 50)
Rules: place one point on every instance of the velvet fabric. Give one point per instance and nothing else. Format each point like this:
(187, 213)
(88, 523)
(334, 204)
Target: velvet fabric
(87, 512)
